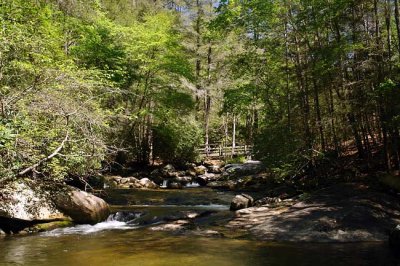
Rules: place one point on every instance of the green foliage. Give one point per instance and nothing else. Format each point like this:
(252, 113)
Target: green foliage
(176, 141)
(236, 159)
(76, 71)
(277, 146)
(133, 77)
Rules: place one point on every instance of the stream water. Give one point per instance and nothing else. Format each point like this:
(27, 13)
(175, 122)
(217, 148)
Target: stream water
(119, 243)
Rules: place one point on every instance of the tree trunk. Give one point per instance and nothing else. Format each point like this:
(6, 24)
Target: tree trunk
(198, 55)
(318, 115)
(397, 19)
(207, 100)
(233, 134)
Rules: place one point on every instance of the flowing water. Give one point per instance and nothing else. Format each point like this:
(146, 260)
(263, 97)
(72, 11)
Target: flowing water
(119, 243)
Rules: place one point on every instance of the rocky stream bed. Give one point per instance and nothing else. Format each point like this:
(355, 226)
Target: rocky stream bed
(191, 211)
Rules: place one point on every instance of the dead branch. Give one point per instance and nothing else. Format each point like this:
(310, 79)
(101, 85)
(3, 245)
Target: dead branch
(55, 153)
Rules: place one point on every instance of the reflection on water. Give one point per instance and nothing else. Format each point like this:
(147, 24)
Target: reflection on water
(188, 196)
(117, 243)
(142, 247)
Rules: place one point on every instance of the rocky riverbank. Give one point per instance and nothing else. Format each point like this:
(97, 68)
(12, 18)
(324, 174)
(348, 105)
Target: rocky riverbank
(340, 213)
(212, 174)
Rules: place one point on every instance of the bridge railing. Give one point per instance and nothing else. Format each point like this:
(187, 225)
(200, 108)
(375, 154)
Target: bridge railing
(220, 151)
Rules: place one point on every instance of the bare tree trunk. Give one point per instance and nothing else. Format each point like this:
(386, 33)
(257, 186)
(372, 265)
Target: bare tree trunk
(288, 95)
(389, 32)
(226, 135)
(397, 18)
(318, 114)
(233, 134)
(198, 55)
(207, 100)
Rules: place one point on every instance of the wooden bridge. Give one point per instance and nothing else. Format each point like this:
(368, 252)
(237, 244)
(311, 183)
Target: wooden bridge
(220, 151)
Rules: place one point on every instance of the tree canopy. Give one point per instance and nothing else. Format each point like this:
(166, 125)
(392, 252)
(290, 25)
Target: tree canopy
(108, 83)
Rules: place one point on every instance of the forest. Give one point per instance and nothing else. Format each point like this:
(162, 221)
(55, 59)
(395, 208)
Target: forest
(136, 81)
(129, 99)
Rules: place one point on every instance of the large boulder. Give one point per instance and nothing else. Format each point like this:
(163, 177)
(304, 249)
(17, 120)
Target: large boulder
(247, 168)
(242, 201)
(214, 166)
(82, 207)
(226, 185)
(215, 169)
(183, 179)
(208, 177)
(23, 204)
(200, 170)
(169, 171)
(147, 183)
(27, 201)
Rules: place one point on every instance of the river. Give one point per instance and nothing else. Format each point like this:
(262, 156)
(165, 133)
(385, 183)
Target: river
(119, 243)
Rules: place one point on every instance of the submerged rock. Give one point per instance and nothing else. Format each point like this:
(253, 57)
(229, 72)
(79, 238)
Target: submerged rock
(241, 202)
(206, 233)
(178, 225)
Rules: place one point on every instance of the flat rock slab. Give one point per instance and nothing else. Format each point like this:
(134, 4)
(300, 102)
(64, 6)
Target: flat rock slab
(342, 213)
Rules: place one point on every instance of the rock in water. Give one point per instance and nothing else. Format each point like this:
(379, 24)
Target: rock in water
(175, 185)
(200, 170)
(25, 203)
(241, 202)
(227, 185)
(82, 207)
(168, 171)
(394, 237)
(208, 177)
(147, 183)
(248, 168)
(124, 216)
